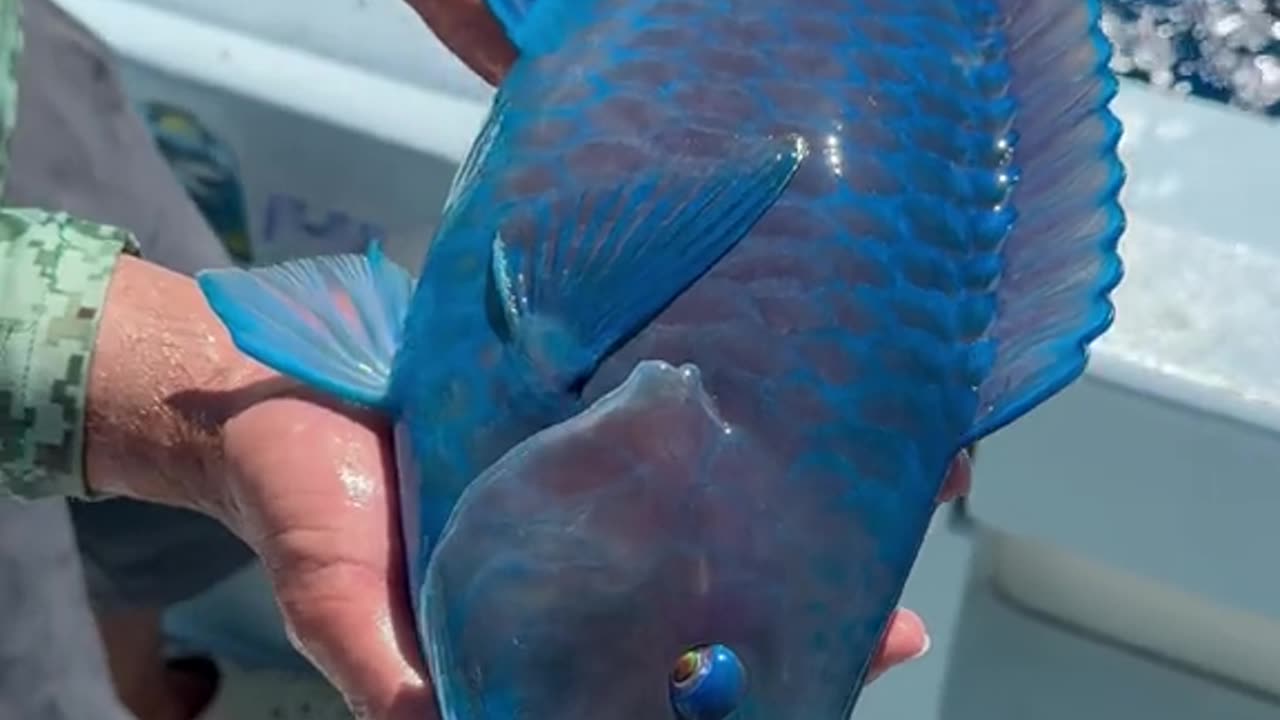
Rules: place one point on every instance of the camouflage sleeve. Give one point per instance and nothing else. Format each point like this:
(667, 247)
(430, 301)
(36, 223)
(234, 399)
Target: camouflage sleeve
(54, 272)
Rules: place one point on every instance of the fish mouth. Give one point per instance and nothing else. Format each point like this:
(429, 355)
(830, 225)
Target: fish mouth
(580, 571)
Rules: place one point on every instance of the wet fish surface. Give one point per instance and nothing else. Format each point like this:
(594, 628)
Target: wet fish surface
(720, 291)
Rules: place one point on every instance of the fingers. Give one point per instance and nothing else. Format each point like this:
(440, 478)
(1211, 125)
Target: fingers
(315, 499)
(471, 32)
(906, 640)
(959, 478)
(353, 625)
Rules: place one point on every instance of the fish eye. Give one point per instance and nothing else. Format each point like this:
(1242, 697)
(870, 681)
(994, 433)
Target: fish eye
(707, 683)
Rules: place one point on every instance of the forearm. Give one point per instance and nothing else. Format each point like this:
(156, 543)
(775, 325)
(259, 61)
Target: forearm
(164, 380)
(53, 277)
(113, 371)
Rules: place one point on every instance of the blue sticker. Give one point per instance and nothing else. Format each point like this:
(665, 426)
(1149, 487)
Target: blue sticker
(293, 231)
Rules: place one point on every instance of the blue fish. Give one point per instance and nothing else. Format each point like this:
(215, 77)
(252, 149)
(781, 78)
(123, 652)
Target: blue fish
(720, 290)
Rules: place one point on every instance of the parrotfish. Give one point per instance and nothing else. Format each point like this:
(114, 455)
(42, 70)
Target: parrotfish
(719, 291)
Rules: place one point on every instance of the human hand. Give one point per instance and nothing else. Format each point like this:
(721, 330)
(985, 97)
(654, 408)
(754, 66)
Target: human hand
(907, 638)
(471, 32)
(176, 415)
(311, 487)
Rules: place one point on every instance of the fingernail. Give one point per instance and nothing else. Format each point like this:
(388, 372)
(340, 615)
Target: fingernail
(928, 643)
(910, 617)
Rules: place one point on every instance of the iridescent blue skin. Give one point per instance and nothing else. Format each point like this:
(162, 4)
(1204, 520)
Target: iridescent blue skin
(772, 494)
(793, 331)
(721, 290)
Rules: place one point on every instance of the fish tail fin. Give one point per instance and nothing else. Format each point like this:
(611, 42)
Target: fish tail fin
(331, 322)
(1059, 259)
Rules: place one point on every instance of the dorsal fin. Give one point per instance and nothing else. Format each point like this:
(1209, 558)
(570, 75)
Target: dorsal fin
(1060, 260)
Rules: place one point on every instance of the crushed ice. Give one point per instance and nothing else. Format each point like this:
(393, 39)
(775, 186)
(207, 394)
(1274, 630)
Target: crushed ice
(1227, 50)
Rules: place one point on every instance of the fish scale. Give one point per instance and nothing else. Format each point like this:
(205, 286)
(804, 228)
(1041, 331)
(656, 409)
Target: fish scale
(720, 290)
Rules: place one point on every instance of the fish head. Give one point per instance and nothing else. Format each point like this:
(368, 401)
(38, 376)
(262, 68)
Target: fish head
(647, 560)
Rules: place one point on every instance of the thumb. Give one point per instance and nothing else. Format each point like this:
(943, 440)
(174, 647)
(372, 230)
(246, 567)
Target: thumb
(351, 622)
(312, 494)
(905, 640)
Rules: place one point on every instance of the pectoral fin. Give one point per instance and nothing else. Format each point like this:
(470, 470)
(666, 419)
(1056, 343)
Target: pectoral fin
(331, 322)
(579, 274)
